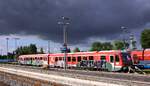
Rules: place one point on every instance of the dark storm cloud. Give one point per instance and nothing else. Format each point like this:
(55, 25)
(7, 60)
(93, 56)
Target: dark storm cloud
(89, 18)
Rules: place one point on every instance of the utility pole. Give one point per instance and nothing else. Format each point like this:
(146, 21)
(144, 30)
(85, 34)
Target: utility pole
(132, 42)
(124, 30)
(65, 23)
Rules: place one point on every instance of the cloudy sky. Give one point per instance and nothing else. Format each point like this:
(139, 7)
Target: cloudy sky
(35, 21)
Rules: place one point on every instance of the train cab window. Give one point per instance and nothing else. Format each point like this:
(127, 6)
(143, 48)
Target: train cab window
(111, 59)
(84, 58)
(91, 58)
(117, 58)
(79, 58)
(103, 58)
(69, 59)
(73, 59)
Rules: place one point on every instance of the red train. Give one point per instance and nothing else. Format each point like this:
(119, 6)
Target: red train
(115, 60)
(137, 56)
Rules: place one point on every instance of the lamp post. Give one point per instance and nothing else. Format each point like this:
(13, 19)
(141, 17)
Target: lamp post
(1, 51)
(48, 46)
(7, 46)
(16, 39)
(65, 23)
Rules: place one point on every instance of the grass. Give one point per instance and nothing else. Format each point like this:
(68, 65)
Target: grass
(147, 71)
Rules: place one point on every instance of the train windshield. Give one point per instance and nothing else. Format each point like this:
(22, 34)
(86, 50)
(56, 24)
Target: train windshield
(126, 58)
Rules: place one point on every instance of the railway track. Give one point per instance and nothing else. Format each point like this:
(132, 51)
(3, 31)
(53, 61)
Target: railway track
(117, 78)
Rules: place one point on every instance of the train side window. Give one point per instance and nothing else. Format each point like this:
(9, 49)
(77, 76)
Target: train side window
(35, 58)
(84, 58)
(117, 58)
(40, 58)
(69, 59)
(60, 58)
(73, 59)
(79, 58)
(45, 58)
(91, 58)
(56, 59)
(112, 59)
(103, 58)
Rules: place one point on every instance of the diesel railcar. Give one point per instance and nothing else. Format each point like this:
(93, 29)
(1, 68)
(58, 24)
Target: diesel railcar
(115, 60)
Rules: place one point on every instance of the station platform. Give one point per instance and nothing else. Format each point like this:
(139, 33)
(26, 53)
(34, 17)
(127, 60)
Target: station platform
(25, 77)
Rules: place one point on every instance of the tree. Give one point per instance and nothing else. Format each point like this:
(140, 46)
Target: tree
(145, 40)
(41, 51)
(76, 49)
(96, 46)
(31, 49)
(118, 45)
(107, 46)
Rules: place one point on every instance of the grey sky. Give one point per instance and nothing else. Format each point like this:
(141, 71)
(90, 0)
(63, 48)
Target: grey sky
(89, 18)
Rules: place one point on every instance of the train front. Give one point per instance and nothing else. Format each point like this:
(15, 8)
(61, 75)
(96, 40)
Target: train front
(126, 60)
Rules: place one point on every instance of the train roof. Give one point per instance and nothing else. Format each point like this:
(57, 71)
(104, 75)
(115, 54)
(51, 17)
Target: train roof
(73, 53)
(88, 53)
(33, 55)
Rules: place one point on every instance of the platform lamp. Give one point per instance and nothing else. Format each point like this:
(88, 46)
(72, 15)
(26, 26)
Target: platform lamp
(7, 47)
(64, 22)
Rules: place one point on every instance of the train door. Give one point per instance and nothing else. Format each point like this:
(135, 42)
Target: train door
(69, 61)
(74, 61)
(117, 60)
(103, 61)
(112, 62)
